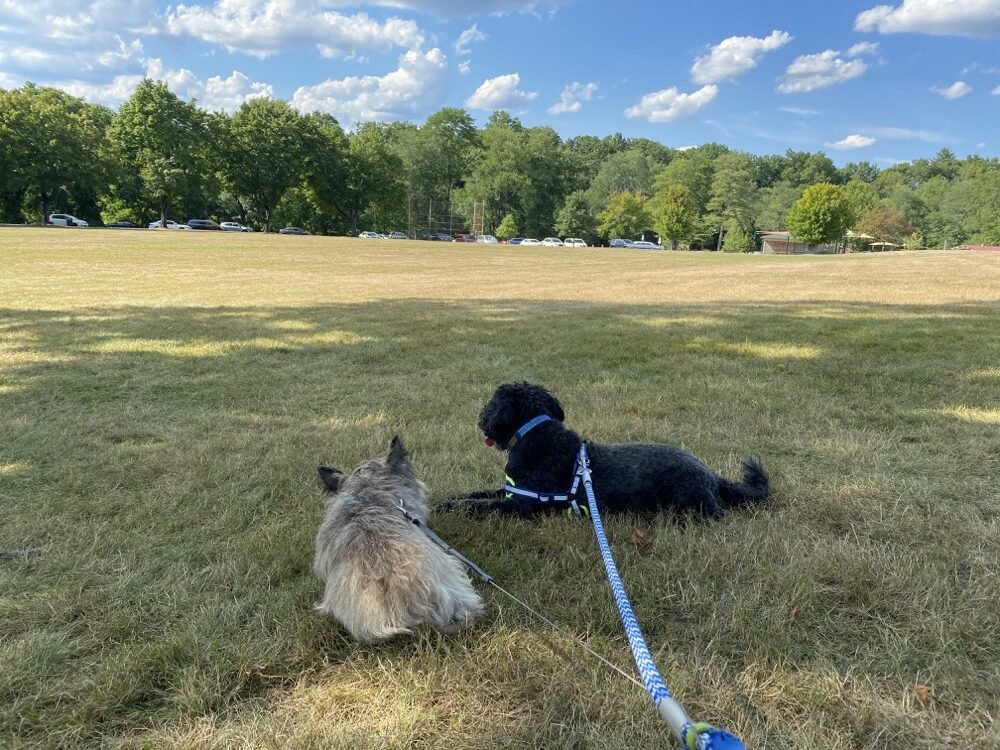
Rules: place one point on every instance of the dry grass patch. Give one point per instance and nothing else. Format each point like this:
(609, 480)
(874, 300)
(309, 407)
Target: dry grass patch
(165, 398)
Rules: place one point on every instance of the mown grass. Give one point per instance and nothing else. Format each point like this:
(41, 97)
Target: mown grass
(165, 398)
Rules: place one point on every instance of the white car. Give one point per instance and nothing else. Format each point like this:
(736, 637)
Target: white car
(551, 242)
(530, 243)
(645, 245)
(487, 239)
(232, 226)
(574, 242)
(170, 225)
(370, 236)
(66, 220)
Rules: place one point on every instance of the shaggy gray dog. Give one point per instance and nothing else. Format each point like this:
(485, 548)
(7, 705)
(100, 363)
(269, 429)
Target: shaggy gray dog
(383, 576)
(630, 476)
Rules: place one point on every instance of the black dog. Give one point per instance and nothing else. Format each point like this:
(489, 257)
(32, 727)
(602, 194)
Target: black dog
(527, 421)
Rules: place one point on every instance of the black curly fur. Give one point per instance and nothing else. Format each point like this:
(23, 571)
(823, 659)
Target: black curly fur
(630, 476)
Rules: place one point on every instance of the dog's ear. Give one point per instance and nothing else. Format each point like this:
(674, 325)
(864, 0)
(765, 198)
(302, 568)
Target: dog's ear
(552, 406)
(331, 478)
(398, 457)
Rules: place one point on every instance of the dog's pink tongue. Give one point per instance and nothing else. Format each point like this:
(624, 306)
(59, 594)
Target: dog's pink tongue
(490, 442)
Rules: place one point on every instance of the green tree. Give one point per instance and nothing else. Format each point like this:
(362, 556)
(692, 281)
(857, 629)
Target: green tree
(625, 172)
(508, 227)
(734, 199)
(821, 215)
(735, 239)
(50, 146)
(862, 197)
(803, 168)
(775, 204)
(576, 218)
(162, 141)
(627, 215)
(500, 178)
(674, 214)
(264, 152)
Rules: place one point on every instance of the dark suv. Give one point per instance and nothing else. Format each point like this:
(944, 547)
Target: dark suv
(203, 224)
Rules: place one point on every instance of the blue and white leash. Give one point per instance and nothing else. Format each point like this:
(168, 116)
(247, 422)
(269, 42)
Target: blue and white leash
(694, 736)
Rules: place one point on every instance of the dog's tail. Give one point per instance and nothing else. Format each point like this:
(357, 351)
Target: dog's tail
(754, 488)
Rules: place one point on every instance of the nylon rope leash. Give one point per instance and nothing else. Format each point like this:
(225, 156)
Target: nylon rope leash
(694, 736)
(482, 575)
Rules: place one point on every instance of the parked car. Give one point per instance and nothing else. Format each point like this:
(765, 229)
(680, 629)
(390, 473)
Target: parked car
(232, 226)
(370, 236)
(552, 242)
(530, 243)
(617, 242)
(515, 240)
(396, 236)
(293, 230)
(646, 245)
(66, 220)
(170, 225)
(123, 224)
(487, 239)
(464, 238)
(439, 237)
(203, 224)
(574, 242)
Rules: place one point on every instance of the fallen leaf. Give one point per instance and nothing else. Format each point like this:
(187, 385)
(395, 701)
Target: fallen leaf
(923, 693)
(638, 538)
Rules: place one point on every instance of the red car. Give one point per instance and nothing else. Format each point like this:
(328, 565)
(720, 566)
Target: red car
(464, 238)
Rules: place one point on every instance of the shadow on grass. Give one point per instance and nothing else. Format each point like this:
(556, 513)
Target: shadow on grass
(163, 458)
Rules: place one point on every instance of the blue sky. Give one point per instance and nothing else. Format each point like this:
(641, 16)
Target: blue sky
(859, 80)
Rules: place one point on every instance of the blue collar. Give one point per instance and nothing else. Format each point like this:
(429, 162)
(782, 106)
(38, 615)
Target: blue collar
(529, 426)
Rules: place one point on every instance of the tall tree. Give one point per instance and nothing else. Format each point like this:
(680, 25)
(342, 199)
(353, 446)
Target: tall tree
(627, 215)
(862, 197)
(500, 178)
(51, 145)
(264, 153)
(821, 215)
(734, 198)
(164, 140)
(576, 218)
(625, 172)
(775, 204)
(674, 214)
(805, 168)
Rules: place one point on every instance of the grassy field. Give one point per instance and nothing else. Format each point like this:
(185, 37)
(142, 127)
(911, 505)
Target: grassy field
(165, 398)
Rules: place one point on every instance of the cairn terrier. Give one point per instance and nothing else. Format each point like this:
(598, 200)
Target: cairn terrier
(383, 576)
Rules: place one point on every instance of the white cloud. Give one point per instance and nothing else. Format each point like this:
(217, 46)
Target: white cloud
(8, 81)
(956, 91)
(800, 111)
(973, 18)
(264, 27)
(996, 91)
(467, 37)
(864, 48)
(417, 87)
(501, 92)
(69, 37)
(464, 67)
(811, 72)
(213, 94)
(573, 96)
(462, 7)
(669, 104)
(909, 134)
(852, 141)
(734, 56)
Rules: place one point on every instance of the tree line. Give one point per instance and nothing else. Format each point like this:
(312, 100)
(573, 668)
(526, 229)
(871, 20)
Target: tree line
(159, 157)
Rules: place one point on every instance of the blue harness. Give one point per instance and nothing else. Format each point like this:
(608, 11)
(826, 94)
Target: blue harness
(511, 489)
